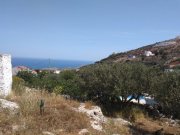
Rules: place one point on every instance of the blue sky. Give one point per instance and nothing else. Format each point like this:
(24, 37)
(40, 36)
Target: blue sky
(84, 29)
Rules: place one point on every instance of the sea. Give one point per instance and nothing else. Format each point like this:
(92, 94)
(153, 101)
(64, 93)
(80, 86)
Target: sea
(34, 63)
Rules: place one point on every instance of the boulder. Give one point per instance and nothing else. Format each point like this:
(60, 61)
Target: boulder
(12, 106)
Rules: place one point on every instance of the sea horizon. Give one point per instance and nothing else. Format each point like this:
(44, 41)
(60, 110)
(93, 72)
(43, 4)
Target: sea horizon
(40, 63)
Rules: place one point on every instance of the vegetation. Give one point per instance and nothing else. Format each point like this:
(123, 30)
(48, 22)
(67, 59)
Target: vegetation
(59, 117)
(18, 85)
(167, 88)
(111, 85)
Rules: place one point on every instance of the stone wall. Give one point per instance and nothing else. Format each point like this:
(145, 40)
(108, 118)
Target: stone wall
(5, 74)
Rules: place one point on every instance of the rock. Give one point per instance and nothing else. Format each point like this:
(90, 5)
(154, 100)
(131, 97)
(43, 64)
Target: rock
(47, 133)
(96, 125)
(66, 96)
(97, 117)
(121, 121)
(170, 122)
(167, 123)
(12, 106)
(95, 114)
(83, 132)
(58, 131)
(16, 128)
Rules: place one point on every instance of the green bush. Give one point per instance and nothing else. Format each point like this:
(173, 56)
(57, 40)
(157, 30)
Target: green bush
(132, 113)
(67, 82)
(168, 93)
(58, 90)
(104, 82)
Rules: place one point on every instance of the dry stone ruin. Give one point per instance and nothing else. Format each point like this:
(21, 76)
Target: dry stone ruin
(5, 74)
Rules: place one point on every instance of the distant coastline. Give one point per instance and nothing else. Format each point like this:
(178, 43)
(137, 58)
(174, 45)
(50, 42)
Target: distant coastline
(48, 63)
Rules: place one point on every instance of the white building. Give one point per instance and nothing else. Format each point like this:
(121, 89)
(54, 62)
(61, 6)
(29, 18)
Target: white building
(133, 56)
(148, 53)
(5, 74)
(57, 71)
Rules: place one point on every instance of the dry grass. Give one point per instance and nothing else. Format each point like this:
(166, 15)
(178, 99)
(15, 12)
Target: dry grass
(132, 114)
(58, 116)
(113, 128)
(60, 119)
(149, 125)
(6, 120)
(89, 104)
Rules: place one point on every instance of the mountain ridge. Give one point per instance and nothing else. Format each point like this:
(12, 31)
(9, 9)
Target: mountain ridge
(165, 53)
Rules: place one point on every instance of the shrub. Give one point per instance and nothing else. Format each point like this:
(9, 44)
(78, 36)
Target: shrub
(58, 90)
(18, 86)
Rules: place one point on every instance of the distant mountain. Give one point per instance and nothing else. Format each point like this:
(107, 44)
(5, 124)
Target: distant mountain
(165, 53)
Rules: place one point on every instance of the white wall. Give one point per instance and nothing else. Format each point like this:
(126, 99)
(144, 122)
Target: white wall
(5, 74)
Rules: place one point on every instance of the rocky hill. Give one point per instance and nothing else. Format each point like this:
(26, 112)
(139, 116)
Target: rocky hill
(165, 54)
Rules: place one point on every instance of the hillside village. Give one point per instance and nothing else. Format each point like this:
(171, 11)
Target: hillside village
(34, 71)
(54, 70)
(165, 54)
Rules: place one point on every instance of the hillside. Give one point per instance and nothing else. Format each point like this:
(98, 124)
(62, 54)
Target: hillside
(20, 115)
(165, 53)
